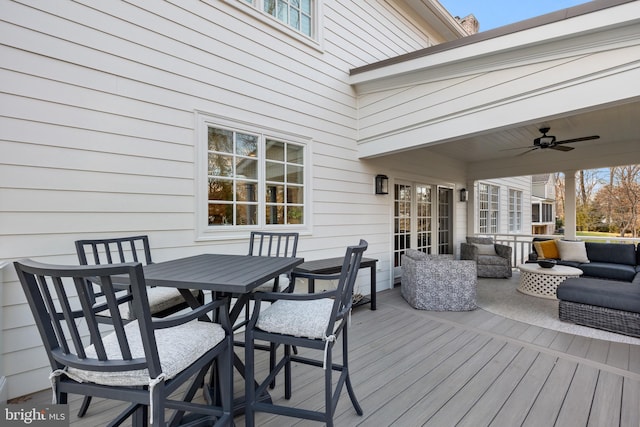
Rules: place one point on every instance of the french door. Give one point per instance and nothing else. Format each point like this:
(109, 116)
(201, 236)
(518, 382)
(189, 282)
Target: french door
(419, 209)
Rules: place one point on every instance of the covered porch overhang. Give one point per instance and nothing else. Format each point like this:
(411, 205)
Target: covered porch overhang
(470, 109)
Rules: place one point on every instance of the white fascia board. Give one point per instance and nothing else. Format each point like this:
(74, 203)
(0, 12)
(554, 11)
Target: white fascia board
(588, 23)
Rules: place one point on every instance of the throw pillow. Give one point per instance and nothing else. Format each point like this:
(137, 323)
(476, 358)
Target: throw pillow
(572, 251)
(546, 249)
(485, 249)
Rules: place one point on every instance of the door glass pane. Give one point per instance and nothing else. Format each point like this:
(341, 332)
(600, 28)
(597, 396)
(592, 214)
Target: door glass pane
(423, 218)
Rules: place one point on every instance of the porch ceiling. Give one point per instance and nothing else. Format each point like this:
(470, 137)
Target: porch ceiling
(503, 152)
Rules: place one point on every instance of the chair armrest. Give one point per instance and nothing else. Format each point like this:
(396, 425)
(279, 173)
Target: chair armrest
(315, 276)
(468, 251)
(219, 305)
(503, 250)
(533, 256)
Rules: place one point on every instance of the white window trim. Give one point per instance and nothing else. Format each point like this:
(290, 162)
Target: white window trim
(205, 232)
(254, 9)
(489, 203)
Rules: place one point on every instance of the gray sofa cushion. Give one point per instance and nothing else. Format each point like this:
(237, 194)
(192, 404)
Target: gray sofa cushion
(613, 294)
(480, 240)
(574, 264)
(609, 271)
(617, 253)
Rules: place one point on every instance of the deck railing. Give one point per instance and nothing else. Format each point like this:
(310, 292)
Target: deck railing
(522, 243)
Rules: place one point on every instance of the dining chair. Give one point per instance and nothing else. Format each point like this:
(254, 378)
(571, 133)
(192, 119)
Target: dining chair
(143, 361)
(277, 244)
(163, 301)
(272, 244)
(311, 321)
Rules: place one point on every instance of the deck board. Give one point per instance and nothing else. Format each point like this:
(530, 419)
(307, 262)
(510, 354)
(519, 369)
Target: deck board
(412, 367)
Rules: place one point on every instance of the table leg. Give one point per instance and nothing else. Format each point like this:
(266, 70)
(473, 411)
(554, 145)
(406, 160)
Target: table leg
(373, 287)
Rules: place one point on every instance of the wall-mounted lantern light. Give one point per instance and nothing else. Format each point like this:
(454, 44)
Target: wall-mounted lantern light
(464, 195)
(382, 184)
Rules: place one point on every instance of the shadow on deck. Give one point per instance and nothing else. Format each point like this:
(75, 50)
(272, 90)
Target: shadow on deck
(412, 368)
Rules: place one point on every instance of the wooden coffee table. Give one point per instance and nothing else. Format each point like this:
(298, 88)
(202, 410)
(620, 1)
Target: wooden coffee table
(543, 282)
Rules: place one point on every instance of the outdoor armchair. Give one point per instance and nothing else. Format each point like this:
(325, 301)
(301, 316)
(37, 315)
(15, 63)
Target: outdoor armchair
(312, 321)
(163, 301)
(438, 282)
(143, 361)
(492, 259)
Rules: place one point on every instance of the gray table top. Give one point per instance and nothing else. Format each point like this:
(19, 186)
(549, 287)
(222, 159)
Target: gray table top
(236, 274)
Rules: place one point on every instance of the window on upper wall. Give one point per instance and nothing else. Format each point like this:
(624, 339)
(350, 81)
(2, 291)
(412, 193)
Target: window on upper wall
(250, 179)
(488, 204)
(515, 211)
(298, 14)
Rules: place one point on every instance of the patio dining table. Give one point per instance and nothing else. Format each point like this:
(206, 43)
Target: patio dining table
(223, 275)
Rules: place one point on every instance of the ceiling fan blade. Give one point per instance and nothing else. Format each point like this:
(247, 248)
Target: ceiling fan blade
(584, 138)
(561, 148)
(518, 148)
(528, 151)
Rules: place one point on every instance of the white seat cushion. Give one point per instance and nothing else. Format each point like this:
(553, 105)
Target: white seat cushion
(178, 348)
(283, 283)
(298, 318)
(160, 298)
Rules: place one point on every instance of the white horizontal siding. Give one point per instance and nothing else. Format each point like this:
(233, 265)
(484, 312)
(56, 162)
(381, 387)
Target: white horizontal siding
(97, 128)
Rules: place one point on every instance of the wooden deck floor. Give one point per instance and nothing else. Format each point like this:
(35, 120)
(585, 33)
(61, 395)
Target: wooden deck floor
(415, 368)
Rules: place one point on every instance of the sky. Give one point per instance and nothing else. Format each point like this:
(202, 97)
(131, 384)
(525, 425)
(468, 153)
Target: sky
(496, 13)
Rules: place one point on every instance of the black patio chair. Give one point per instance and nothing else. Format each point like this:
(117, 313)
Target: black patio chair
(274, 244)
(143, 361)
(163, 301)
(308, 321)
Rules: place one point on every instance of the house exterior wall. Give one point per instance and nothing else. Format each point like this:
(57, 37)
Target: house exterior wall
(98, 129)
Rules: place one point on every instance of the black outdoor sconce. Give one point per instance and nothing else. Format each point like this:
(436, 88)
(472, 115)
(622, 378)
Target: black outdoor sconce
(464, 195)
(382, 184)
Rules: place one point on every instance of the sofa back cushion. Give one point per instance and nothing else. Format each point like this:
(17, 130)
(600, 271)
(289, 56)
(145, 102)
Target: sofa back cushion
(480, 240)
(617, 253)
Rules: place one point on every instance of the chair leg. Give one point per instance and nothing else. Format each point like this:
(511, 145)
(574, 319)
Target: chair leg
(272, 362)
(345, 364)
(287, 372)
(328, 388)
(249, 380)
(84, 406)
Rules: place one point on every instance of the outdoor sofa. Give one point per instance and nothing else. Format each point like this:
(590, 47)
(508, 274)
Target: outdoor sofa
(607, 295)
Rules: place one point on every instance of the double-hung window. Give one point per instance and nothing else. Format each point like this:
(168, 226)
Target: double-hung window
(250, 179)
(298, 14)
(488, 205)
(515, 211)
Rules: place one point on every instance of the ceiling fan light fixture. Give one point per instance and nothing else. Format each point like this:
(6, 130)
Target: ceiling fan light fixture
(544, 140)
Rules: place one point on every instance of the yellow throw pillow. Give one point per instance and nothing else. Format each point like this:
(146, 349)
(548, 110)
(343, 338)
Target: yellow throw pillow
(547, 249)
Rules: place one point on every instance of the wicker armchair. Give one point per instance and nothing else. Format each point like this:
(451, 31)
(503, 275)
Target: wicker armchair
(490, 261)
(438, 282)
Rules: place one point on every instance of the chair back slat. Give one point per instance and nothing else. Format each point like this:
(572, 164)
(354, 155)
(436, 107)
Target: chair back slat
(47, 306)
(346, 282)
(63, 310)
(112, 251)
(275, 244)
